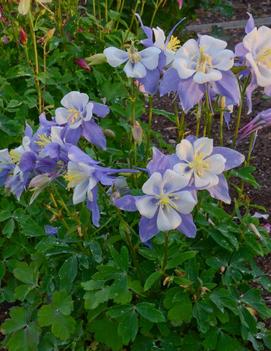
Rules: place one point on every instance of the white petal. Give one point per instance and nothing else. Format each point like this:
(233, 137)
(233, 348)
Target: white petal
(216, 163)
(150, 57)
(189, 49)
(185, 150)
(115, 57)
(153, 184)
(136, 70)
(56, 134)
(80, 192)
(61, 115)
(251, 39)
(211, 76)
(89, 109)
(4, 156)
(183, 67)
(168, 218)
(147, 206)
(159, 37)
(173, 181)
(203, 146)
(263, 75)
(224, 60)
(264, 40)
(206, 180)
(184, 202)
(211, 44)
(184, 170)
(75, 99)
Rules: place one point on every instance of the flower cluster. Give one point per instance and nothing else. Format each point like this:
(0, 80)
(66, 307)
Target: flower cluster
(170, 193)
(52, 152)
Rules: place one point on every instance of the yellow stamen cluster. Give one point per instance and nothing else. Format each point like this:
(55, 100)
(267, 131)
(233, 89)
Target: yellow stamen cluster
(133, 55)
(73, 178)
(204, 62)
(264, 57)
(199, 165)
(174, 43)
(15, 156)
(43, 140)
(74, 115)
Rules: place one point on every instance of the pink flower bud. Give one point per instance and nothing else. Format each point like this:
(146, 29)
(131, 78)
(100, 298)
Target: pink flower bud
(180, 3)
(23, 36)
(83, 64)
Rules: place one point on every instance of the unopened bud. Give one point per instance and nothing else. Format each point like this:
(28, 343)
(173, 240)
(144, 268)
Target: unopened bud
(83, 64)
(255, 230)
(137, 133)
(96, 59)
(223, 102)
(109, 133)
(49, 35)
(222, 269)
(23, 36)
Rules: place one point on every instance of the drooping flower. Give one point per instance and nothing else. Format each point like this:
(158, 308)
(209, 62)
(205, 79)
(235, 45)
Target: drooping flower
(199, 67)
(255, 52)
(138, 63)
(78, 115)
(83, 175)
(203, 165)
(165, 205)
(262, 120)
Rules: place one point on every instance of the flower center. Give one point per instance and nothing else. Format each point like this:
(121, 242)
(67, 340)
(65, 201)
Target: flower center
(199, 165)
(264, 57)
(15, 156)
(74, 115)
(43, 140)
(133, 55)
(173, 44)
(204, 62)
(74, 177)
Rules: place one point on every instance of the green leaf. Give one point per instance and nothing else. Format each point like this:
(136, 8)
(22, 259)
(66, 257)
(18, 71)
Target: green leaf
(150, 312)
(26, 339)
(245, 173)
(46, 315)
(17, 320)
(9, 228)
(182, 311)
(24, 273)
(63, 302)
(105, 332)
(68, 273)
(128, 327)
(151, 280)
(94, 299)
(180, 258)
(5, 214)
(227, 343)
(63, 326)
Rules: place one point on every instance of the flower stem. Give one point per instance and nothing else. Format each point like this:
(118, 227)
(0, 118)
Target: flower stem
(106, 10)
(149, 126)
(238, 121)
(177, 119)
(156, 7)
(222, 107)
(132, 20)
(198, 118)
(182, 126)
(36, 71)
(165, 258)
(251, 146)
(94, 7)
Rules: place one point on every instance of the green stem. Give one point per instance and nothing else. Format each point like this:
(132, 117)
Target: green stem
(156, 7)
(177, 119)
(59, 18)
(142, 7)
(222, 107)
(36, 71)
(165, 258)
(106, 11)
(94, 7)
(149, 126)
(120, 13)
(198, 118)
(182, 126)
(251, 144)
(238, 121)
(132, 21)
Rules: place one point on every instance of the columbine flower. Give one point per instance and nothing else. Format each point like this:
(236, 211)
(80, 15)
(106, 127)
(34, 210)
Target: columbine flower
(83, 175)
(6, 166)
(255, 50)
(168, 45)
(78, 114)
(203, 165)
(199, 66)
(262, 120)
(166, 205)
(138, 63)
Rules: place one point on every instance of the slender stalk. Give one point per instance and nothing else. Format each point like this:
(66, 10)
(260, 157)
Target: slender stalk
(120, 13)
(222, 108)
(198, 118)
(106, 10)
(156, 7)
(36, 71)
(182, 126)
(142, 7)
(132, 20)
(209, 115)
(59, 17)
(165, 258)
(177, 119)
(132, 122)
(94, 7)
(238, 121)
(149, 126)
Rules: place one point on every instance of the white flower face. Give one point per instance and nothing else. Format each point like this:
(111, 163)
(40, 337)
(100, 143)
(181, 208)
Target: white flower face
(258, 44)
(204, 60)
(169, 48)
(163, 196)
(198, 162)
(80, 177)
(137, 62)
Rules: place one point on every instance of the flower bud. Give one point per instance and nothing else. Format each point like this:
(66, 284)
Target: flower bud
(180, 4)
(83, 64)
(109, 133)
(49, 35)
(137, 133)
(23, 36)
(96, 59)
